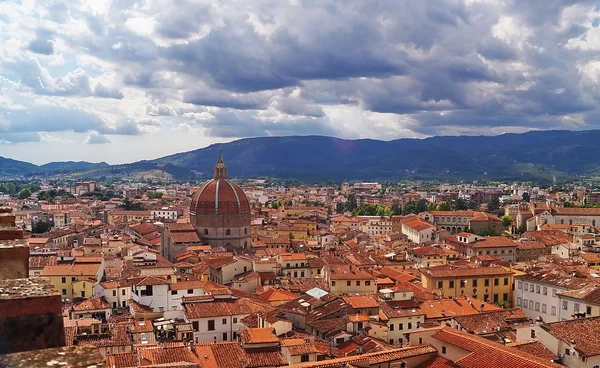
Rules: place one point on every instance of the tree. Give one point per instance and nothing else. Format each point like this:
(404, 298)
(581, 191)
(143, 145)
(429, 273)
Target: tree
(396, 210)
(494, 204)
(506, 221)
(275, 205)
(526, 197)
(340, 208)
(41, 227)
(522, 229)
(488, 231)
(443, 206)
(351, 205)
(132, 206)
(25, 193)
(502, 304)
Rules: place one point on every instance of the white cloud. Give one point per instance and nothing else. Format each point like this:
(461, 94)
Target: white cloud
(97, 138)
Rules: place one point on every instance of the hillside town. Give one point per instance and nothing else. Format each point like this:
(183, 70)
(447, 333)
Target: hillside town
(251, 274)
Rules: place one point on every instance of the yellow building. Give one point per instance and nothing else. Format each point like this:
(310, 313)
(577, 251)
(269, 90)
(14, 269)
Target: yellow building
(117, 216)
(491, 284)
(345, 280)
(74, 281)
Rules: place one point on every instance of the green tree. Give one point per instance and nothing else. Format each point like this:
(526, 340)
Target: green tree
(502, 304)
(506, 221)
(340, 208)
(275, 205)
(494, 204)
(522, 229)
(25, 193)
(526, 197)
(488, 231)
(351, 205)
(396, 210)
(443, 206)
(41, 227)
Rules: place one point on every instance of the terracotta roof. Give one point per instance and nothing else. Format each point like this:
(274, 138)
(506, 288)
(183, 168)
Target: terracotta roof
(575, 211)
(549, 237)
(445, 308)
(122, 360)
(258, 336)
(91, 304)
(485, 353)
(71, 270)
(585, 333)
(449, 271)
(346, 273)
(185, 237)
(232, 307)
(277, 295)
(438, 362)
(361, 301)
(494, 242)
(488, 322)
(195, 284)
(535, 348)
(590, 294)
(264, 357)
(148, 280)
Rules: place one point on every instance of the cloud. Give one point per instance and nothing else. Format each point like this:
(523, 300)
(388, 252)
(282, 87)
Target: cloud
(97, 138)
(264, 67)
(42, 44)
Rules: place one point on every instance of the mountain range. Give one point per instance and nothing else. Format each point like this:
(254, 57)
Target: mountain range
(541, 156)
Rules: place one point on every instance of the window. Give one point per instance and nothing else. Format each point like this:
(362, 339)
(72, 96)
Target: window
(211, 325)
(505, 281)
(367, 283)
(531, 304)
(474, 283)
(391, 327)
(588, 310)
(451, 284)
(190, 291)
(73, 279)
(224, 321)
(348, 283)
(195, 325)
(525, 286)
(224, 336)
(525, 303)
(518, 302)
(205, 231)
(553, 311)
(505, 296)
(532, 333)
(496, 282)
(392, 341)
(147, 292)
(173, 292)
(443, 350)
(495, 298)
(420, 341)
(545, 291)
(114, 293)
(565, 304)
(537, 289)
(64, 280)
(122, 291)
(543, 308)
(531, 287)
(440, 284)
(409, 325)
(235, 320)
(576, 307)
(486, 282)
(358, 283)
(64, 291)
(554, 293)
(332, 283)
(228, 232)
(537, 306)
(400, 326)
(304, 358)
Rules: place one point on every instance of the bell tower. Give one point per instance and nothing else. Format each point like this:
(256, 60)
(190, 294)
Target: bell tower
(220, 168)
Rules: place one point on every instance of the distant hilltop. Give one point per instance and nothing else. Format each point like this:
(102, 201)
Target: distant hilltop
(541, 156)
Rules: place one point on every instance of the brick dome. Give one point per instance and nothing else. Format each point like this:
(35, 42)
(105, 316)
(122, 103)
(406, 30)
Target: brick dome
(220, 197)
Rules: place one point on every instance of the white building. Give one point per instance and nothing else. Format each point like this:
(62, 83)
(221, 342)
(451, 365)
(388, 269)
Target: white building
(536, 292)
(165, 213)
(219, 317)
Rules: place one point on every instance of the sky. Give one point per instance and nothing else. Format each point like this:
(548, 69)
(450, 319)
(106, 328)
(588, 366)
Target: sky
(120, 81)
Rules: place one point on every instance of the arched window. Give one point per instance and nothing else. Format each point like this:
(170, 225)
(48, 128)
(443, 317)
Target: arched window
(245, 244)
(562, 222)
(205, 231)
(245, 230)
(594, 223)
(228, 232)
(570, 222)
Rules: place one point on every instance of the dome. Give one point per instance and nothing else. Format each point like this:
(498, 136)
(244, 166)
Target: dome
(219, 196)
